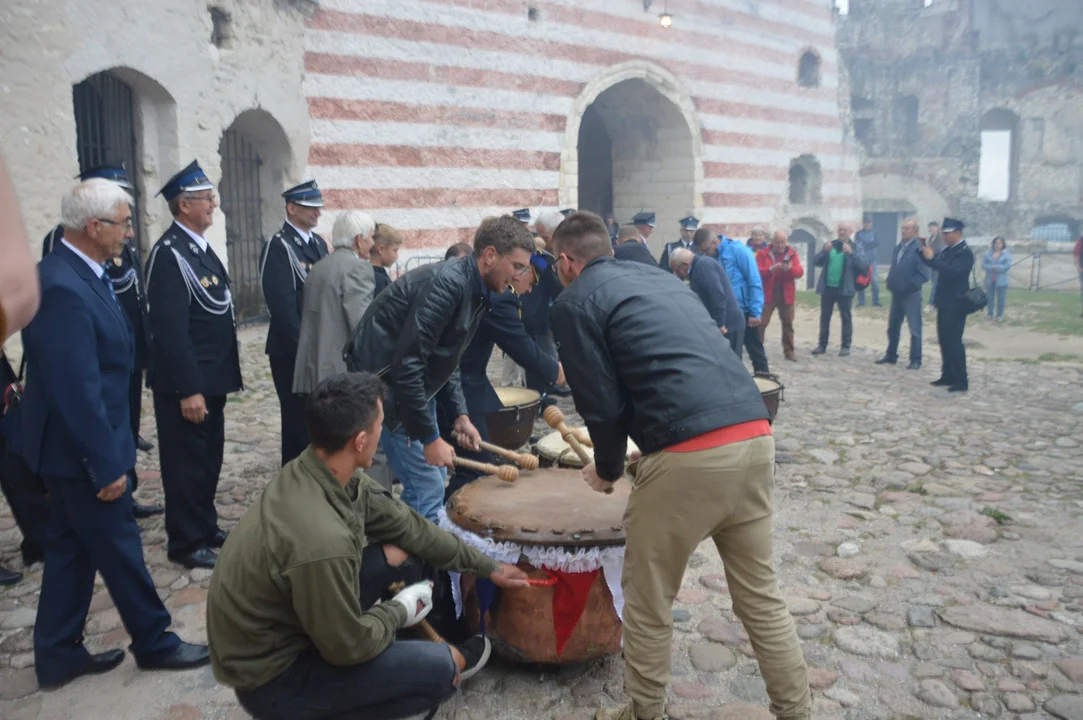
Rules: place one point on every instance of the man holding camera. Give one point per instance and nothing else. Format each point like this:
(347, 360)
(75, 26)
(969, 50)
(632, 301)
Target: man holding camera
(836, 285)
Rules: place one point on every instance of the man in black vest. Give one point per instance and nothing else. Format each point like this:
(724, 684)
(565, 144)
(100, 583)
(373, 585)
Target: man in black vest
(287, 259)
(194, 364)
(126, 275)
(953, 265)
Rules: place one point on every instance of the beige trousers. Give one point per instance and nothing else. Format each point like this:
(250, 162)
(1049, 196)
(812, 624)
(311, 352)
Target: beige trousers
(677, 501)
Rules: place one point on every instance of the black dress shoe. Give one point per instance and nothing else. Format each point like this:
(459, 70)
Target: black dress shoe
(885, 360)
(202, 558)
(185, 656)
(914, 365)
(959, 387)
(145, 511)
(9, 577)
(141, 444)
(819, 350)
(93, 665)
(219, 538)
(941, 382)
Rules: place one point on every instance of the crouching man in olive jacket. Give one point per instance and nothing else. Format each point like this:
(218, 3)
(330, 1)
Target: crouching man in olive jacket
(292, 614)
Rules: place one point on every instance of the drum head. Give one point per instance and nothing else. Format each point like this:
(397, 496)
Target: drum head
(544, 507)
(552, 447)
(512, 396)
(766, 385)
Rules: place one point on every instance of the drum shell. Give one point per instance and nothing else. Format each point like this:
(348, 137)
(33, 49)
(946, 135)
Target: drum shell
(519, 623)
(771, 396)
(511, 426)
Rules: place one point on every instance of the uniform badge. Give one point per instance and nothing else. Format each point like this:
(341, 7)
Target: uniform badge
(118, 261)
(194, 248)
(204, 282)
(300, 265)
(308, 266)
(167, 243)
(298, 241)
(214, 280)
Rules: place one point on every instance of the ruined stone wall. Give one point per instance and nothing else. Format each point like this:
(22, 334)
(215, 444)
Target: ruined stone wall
(959, 59)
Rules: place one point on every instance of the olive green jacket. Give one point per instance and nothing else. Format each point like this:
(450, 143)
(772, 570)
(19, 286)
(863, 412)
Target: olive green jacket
(288, 578)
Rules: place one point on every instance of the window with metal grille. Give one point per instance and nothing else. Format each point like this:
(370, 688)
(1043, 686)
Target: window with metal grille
(105, 131)
(243, 208)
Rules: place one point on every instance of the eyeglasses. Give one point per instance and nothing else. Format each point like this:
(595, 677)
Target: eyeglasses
(519, 269)
(208, 198)
(126, 223)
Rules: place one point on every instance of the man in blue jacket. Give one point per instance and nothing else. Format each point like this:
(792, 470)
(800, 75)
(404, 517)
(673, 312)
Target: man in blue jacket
(868, 243)
(740, 265)
(76, 435)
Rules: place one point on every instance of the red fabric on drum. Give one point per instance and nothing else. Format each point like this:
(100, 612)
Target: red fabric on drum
(569, 600)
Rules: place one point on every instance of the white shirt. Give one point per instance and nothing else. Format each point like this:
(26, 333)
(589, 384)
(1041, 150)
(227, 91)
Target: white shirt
(200, 240)
(306, 236)
(97, 267)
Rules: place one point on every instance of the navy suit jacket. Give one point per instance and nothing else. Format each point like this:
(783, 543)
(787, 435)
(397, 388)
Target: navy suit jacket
(501, 326)
(709, 281)
(80, 351)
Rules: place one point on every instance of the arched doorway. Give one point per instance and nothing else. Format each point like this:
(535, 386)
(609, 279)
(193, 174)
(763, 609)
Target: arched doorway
(807, 236)
(633, 144)
(255, 155)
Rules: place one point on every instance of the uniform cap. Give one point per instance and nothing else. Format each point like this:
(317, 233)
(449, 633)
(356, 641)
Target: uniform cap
(113, 172)
(307, 194)
(644, 218)
(689, 223)
(190, 179)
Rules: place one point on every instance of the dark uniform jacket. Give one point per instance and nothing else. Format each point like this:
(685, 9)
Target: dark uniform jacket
(287, 260)
(953, 265)
(670, 247)
(413, 336)
(644, 360)
(193, 336)
(535, 304)
(636, 252)
(80, 351)
(126, 274)
(501, 327)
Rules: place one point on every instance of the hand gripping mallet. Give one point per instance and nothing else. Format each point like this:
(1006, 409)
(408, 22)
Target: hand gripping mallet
(423, 626)
(554, 418)
(507, 473)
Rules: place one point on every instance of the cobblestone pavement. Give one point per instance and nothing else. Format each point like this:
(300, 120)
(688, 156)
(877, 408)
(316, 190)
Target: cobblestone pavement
(930, 549)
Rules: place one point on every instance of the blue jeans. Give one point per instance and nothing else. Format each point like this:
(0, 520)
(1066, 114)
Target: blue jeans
(422, 484)
(996, 295)
(875, 285)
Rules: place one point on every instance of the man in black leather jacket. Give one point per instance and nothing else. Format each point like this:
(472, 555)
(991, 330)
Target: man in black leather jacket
(645, 360)
(413, 336)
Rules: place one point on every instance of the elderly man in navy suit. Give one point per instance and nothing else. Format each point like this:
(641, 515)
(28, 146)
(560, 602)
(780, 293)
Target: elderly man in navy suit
(80, 349)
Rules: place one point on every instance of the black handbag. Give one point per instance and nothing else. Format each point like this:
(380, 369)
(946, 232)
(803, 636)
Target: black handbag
(974, 299)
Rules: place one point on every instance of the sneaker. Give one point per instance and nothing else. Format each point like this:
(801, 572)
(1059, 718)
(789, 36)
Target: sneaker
(844, 352)
(476, 652)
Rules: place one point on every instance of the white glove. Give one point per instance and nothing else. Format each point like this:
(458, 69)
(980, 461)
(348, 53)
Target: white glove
(408, 597)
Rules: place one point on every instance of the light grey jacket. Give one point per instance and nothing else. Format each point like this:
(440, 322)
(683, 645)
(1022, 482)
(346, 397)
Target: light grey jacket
(338, 291)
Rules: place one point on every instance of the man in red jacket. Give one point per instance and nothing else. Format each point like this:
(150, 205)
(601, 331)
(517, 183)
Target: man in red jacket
(779, 266)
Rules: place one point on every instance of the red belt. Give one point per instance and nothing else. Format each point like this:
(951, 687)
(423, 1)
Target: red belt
(723, 436)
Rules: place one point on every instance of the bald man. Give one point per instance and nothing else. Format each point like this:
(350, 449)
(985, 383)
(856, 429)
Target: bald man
(904, 280)
(708, 280)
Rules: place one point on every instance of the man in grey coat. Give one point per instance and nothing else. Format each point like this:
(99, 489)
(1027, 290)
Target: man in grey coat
(841, 263)
(904, 280)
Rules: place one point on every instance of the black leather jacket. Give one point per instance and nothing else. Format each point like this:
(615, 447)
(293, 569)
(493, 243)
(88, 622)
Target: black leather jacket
(413, 335)
(645, 360)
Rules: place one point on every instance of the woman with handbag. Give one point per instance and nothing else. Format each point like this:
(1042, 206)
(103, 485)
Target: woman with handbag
(996, 263)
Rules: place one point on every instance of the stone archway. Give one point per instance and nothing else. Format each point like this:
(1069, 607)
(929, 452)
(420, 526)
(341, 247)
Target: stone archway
(255, 157)
(806, 237)
(633, 143)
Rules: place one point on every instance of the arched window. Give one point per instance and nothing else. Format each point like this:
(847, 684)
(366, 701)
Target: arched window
(806, 180)
(999, 155)
(808, 70)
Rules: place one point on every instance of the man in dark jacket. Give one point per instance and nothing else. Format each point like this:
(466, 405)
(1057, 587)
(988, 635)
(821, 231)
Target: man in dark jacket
(645, 360)
(287, 259)
(705, 242)
(953, 265)
(868, 243)
(904, 280)
(630, 246)
(707, 279)
(413, 336)
(836, 285)
(689, 225)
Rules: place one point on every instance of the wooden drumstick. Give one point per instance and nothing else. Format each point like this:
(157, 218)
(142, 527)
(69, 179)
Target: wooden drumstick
(584, 438)
(423, 627)
(524, 460)
(555, 419)
(507, 473)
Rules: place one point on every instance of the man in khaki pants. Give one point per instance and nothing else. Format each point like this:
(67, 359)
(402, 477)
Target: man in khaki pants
(644, 360)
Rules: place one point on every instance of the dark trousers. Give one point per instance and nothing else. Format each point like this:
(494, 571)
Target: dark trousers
(736, 340)
(86, 536)
(754, 345)
(191, 457)
(135, 412)
(407, 678)
(28, 502)
(291, 409)
(950, 324)
(828, 301)
(906, 307)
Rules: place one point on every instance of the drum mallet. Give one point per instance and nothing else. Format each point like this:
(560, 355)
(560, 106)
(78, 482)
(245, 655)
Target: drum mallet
(524, 460)
(507, 473)
(555, 419)
(423, 626)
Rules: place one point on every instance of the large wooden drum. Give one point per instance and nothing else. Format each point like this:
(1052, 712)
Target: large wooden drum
(771, 389)
(512, 425)
(569, 538)
(553, 448)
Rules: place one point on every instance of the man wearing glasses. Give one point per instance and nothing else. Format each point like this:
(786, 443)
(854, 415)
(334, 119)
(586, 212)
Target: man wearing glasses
(414, 334)
(194, 365)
